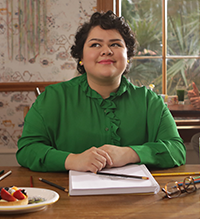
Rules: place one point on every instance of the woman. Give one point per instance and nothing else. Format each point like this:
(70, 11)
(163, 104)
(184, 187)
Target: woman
(99, 119)
(195, 101)
(194, 96)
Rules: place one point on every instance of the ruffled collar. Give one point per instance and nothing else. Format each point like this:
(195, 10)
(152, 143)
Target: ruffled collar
(124, 87)
(108, 105)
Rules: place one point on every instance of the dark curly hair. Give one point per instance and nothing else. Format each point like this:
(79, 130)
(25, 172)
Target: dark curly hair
(106, 21)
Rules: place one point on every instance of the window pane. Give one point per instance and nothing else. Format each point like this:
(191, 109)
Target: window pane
(145, 19)
(183, 27)
(145, 72)
(183, 39)
(183, 71)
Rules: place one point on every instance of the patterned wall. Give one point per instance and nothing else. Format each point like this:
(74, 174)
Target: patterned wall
(35, 41)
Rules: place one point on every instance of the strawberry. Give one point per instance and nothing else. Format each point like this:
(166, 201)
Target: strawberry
(19, 195)
(7, 196)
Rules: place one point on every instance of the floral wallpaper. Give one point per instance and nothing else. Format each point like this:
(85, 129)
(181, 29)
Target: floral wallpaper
(35, 41)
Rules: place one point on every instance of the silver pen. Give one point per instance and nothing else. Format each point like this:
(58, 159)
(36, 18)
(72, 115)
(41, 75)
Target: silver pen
(6, 174)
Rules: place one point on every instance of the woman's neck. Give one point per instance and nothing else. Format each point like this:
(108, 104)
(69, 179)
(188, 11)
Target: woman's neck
(105, 88)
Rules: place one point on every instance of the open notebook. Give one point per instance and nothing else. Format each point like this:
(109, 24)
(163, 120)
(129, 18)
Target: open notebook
(87, 183)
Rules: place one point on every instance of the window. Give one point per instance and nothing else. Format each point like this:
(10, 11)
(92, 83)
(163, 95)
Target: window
(168, 34)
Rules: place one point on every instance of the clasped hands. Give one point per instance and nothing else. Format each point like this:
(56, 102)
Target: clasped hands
(194, 96)
(95, 159)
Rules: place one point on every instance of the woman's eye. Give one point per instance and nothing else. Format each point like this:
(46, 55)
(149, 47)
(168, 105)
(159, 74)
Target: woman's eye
(116, 45)
(95, 45)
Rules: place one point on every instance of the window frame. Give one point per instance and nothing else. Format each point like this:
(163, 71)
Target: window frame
(114, 5)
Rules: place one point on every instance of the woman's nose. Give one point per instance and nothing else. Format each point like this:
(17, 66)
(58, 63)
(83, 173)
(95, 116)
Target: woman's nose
(106, 50)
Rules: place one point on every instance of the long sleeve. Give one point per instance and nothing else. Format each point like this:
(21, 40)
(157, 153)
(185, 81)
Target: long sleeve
(36, 148)
(70, 117)
(155, 137)
(164, 148)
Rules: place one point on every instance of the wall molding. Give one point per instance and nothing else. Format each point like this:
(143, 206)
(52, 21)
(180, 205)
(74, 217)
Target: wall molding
(24, 86)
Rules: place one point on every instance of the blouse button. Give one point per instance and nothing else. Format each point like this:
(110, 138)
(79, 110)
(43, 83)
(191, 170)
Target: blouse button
(106, 129)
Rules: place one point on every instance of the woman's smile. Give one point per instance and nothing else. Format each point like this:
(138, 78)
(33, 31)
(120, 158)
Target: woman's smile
(106, 62)
(104, 55)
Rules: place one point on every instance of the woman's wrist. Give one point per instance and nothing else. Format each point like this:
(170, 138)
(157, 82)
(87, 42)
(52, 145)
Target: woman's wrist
(131, 155)
(68, 162)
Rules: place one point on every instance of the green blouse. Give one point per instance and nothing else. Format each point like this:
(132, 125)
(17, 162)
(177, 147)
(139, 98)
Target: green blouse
(70, 117)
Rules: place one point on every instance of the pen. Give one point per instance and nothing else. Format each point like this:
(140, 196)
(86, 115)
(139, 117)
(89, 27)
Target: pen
(122, 175)
(195, 181)
(176, 174)
(195, 178)
(6, 174)
(31, 181)
(53, 184)
(1, 172)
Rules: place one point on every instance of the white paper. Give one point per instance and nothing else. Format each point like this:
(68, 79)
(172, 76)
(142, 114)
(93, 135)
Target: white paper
(83, 183)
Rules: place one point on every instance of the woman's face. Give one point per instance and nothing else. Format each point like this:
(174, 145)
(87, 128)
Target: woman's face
(104, 55)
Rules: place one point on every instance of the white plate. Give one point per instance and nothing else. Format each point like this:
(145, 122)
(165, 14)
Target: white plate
(49, 196)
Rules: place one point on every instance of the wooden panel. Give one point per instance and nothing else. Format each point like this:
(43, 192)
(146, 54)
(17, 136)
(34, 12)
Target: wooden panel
(188, 122)
(24, 86)
(186, 134)
(104, 5)
(117, 10)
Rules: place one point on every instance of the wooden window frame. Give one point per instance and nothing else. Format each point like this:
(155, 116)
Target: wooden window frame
(114, 5)
(105, 5)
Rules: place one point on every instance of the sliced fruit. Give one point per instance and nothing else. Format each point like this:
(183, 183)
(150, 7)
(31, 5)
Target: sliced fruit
(7, 196)
(19, 195)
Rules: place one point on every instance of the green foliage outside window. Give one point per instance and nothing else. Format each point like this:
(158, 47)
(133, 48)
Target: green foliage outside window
(183, 39)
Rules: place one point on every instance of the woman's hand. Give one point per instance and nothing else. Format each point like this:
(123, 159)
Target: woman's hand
(194, 96)
(194, 92)
(120, 155)
(93, 159)
(195, 101)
